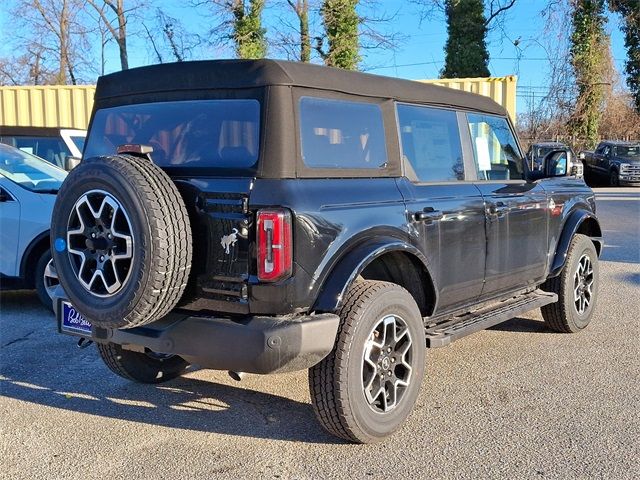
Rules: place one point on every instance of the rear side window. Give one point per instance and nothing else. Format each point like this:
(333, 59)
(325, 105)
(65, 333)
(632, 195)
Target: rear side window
(193, 134)
(341, 134)
(496, 152)
(430, 140)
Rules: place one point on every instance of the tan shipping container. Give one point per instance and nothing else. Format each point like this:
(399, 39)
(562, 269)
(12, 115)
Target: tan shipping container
(69, 106)
(500, 89)
(61, 106)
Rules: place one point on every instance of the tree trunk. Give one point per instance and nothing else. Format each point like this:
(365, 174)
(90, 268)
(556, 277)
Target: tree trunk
(122, 36)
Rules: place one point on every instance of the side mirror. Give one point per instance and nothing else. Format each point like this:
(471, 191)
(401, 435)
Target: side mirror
(556, 163)
(71, 162)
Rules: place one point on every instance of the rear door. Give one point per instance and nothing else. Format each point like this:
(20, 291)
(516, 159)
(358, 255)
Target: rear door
(516, 210)
(446, 212)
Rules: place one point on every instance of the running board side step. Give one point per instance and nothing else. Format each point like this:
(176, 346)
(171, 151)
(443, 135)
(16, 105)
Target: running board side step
(443, 334)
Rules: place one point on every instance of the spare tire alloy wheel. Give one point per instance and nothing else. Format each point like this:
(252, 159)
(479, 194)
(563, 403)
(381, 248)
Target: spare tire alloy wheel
(121, 241)
(100, 243)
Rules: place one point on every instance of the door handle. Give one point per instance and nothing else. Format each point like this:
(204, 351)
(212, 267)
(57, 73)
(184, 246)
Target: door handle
(427, 215)
(498, 209)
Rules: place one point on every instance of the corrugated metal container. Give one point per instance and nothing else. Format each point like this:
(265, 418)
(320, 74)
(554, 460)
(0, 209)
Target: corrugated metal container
(69, 106)
(500, 89)
(62, 106)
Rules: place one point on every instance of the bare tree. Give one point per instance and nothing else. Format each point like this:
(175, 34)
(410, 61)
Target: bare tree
(169, 38)
(26, 69)
(116, 23)
(56, 34)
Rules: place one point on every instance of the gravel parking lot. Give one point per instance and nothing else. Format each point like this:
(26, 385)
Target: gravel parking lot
(516, 401)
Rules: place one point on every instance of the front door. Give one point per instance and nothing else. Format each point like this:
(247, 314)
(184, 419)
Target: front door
(516, 210)
(445, 212)
(9, 230)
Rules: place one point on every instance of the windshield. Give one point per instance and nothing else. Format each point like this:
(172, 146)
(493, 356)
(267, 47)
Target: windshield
(29, 171)
(632, 151)
(200, 134)
(51, 149)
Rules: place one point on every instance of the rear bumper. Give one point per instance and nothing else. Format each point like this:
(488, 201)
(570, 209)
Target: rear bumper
(258, 344)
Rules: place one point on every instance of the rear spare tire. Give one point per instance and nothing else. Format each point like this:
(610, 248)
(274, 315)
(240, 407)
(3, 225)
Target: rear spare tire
(121, 241)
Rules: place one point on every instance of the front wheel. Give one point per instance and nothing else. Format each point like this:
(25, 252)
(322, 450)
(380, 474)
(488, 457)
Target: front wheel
(576, 286)
(614, 179)
(46, 280)
(367, 386)
(148, 367)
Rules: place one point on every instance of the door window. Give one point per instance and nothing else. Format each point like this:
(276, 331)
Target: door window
(430, 141)
(342, 134)
(495, 148)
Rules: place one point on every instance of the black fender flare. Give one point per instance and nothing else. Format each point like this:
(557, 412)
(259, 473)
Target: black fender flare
(569, 229)
(350, 265)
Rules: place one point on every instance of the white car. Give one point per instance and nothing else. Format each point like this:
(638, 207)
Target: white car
(28, 187)
(59, 146)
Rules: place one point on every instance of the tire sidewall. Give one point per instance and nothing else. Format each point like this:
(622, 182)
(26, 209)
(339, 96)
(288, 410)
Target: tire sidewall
(41, 289)
(398, 302)
(96, 175)
(583, 246)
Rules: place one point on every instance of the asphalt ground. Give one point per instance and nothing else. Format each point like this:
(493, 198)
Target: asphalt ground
(515, 401)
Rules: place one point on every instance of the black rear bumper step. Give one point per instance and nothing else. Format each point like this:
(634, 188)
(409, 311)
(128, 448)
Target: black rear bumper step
(444, 333)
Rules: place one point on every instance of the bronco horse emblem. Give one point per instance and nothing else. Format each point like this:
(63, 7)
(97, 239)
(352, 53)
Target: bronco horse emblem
(229, 240)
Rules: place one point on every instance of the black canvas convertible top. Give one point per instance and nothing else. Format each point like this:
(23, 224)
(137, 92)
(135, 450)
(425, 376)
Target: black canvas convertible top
(239, 74)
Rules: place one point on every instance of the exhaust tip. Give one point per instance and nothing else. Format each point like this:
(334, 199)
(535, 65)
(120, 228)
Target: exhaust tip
(237, 376)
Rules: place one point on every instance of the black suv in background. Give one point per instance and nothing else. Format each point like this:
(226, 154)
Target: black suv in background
(267, 216)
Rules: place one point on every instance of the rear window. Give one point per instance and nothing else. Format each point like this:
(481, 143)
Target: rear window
(341, 134)
(193, 134)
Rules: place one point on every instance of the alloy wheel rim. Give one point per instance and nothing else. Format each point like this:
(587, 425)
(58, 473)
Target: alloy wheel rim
(100, 243)
(583, 281)
(50, 278)
(387, 364)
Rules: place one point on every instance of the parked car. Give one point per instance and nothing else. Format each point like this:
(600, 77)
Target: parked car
(614, 161)
(28, 187)
(266, 216)
(60, 146)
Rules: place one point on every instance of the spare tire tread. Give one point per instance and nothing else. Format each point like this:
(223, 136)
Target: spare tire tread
(173, 280)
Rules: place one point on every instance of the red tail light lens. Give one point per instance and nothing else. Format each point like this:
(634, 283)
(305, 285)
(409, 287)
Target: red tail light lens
(275, 245)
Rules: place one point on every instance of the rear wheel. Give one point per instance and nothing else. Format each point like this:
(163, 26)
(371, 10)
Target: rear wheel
(367, 386)
(576, 286)
(148, 367)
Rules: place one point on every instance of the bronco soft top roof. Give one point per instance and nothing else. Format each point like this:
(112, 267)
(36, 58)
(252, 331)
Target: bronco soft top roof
(237, 74)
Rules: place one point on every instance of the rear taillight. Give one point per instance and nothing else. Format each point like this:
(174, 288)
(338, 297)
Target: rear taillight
(275, 245)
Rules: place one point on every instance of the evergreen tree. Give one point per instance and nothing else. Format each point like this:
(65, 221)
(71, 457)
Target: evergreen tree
(630, 12)
(466, 52)
(248, 35)
(589, 58)
(341, 23)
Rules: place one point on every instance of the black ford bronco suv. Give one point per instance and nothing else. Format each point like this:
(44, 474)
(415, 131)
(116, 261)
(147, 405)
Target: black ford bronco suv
(266, 216)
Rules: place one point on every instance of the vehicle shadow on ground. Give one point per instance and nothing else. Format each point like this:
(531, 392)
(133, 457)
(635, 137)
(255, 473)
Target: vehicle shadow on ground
(522, 325)
(39, 366)
(185, 403)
